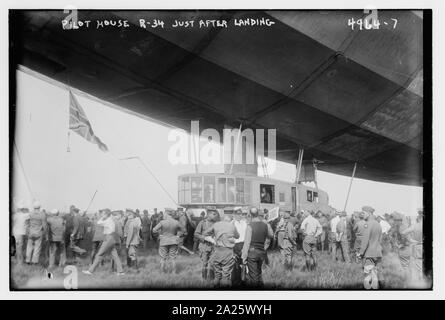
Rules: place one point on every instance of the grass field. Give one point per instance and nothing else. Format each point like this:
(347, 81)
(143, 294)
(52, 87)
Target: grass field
(329, 275)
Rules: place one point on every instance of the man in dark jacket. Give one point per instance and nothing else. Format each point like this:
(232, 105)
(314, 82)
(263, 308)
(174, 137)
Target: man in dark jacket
(98, 234)
(253, 253)
(78, 232)
(56, 237)
(145, 228)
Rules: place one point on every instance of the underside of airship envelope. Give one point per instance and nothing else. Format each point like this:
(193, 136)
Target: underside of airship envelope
(346, 96)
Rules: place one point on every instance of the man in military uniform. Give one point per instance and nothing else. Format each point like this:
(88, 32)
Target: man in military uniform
(37, 233)
(56, 237)
(371, 249)
(205, 247)
(184, 222)
(224, 234)
(169, 230)
(287, 240)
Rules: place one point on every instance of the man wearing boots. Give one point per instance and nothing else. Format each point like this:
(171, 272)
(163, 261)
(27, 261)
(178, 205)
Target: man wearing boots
(311, 229)
(169, 230)
(205, 247)
(224, 234)
(289, 242)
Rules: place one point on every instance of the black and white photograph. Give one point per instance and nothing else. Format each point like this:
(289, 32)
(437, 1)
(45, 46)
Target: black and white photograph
(220, 149)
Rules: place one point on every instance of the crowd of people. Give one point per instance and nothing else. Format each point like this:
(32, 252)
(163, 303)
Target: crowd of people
(233, 248)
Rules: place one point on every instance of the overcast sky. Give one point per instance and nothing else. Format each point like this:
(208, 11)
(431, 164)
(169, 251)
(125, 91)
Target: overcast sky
(59, 178)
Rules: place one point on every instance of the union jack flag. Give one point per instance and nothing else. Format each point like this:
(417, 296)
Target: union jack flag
(80, 124)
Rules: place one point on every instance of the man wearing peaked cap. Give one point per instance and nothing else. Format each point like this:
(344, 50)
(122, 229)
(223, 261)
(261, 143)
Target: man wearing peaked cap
(205, 247)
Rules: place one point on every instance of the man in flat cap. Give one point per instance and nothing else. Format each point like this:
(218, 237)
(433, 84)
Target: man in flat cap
(20, 222)
(311, 229)
(56, 235)
(37, 231)
(371, 249)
